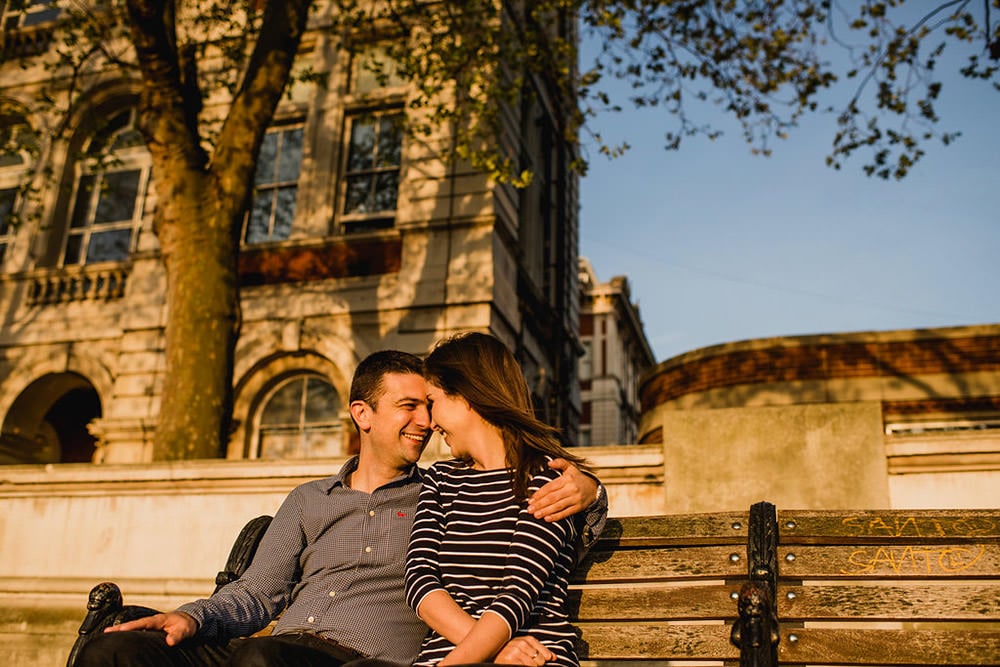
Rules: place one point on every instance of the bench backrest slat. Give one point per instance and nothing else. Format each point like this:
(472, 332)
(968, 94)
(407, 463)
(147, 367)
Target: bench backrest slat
(977, 602)
(656, 642)
(654, 603)
(965, 560)
(838, 646)
(886, 526)
(663, 564)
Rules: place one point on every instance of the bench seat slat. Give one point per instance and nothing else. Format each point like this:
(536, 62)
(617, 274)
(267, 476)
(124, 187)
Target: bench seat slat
(828, 646)
(887, 526)
(954, 602)
(654, 603)
(674, 530)
(681, 563)
(903, 561)
(654, 641)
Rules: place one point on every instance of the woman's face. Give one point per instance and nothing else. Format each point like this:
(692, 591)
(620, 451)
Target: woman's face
(453, 418)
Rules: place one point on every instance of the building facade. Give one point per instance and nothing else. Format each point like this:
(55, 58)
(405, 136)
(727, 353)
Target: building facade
(900, 419)
(358, 238)
(615, 355)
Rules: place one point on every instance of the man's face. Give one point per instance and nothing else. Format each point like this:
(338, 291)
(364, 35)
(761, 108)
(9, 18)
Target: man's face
(397, 427)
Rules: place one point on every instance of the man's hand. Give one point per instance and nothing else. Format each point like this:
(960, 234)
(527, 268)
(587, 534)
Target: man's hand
(524, 650)
(177, 625)
(572, 492)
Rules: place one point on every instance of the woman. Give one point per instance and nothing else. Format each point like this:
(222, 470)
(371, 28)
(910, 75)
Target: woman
(480, 569)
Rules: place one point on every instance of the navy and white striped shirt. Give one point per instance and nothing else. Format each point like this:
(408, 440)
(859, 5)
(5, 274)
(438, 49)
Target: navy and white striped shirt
(472, 539)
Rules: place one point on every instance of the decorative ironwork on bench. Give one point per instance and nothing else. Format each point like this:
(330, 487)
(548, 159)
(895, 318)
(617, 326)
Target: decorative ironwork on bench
(755, 632)
(82, 283)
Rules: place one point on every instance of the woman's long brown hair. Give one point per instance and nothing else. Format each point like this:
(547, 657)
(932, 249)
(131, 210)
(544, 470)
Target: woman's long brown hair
(480, 369)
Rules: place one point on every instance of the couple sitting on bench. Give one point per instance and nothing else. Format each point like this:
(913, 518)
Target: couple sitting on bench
(495, 536)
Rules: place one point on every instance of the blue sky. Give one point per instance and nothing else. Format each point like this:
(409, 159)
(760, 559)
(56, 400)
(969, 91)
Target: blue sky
(720, 245)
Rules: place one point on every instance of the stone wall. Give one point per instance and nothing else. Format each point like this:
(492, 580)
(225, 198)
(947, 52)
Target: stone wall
(163, 530)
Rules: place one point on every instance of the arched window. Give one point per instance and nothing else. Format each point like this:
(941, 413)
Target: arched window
(300, 419)
(110, 193)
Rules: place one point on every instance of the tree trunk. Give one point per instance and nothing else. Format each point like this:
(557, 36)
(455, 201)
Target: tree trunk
(199, 249)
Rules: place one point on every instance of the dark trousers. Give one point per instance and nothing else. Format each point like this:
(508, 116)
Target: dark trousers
(143, 648)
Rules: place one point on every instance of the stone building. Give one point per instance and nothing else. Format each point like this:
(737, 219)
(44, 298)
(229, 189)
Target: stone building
(357, 239)
(901, 419)
(615, 355)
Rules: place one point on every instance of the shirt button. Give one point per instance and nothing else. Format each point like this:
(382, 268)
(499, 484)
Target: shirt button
(311, 619)
(371, 512)
(332, 593)
(368, 550)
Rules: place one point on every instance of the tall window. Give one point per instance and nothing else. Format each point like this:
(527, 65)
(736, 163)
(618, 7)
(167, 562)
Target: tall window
(300, 419)
(371, 176)
(8, 198)
(18, 142)
(275, 185)
(585, 364)
(110, 194)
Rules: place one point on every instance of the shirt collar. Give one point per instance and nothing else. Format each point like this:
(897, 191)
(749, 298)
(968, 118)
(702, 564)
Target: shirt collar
(413, 474)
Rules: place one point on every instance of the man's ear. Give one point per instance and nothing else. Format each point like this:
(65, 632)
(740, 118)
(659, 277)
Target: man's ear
(361, 412)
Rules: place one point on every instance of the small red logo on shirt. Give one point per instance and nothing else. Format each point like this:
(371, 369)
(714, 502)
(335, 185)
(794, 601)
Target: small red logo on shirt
(401, 515)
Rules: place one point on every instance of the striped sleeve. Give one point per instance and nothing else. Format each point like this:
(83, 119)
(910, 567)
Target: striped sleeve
(534, 550)
(423, 575)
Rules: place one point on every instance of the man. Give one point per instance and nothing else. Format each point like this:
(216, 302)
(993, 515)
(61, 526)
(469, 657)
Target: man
(331, 562)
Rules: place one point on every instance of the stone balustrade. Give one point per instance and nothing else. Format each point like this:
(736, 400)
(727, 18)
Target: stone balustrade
(79, 283)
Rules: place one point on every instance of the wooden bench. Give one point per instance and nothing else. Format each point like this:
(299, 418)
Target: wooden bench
(875, 587)
(763, 587)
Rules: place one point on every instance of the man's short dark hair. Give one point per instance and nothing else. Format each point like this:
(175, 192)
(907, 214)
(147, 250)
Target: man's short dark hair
(367, 383)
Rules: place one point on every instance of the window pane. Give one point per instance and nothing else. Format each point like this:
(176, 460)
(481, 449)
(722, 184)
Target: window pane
(107, 133)
(266, 159)
(321, 401)
(82, 204)
(362, 145)
(40, 11)
(389, 141)
(285, 405)
(385, 191)
(128, 139)
(117, 197)
(11, 160)
(110, 246)
(367, 66)
(291, 155)
(259, 226)
(356, 200)
(7, 197)
(73, 244)
(284, 213)
(322, 443)
(280, 444)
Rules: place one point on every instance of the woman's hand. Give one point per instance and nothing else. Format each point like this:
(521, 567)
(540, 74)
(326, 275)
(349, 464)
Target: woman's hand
(525, 650)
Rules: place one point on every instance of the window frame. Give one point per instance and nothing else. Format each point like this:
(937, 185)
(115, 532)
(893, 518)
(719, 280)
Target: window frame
(292, 123)
(374, 220)
(366, 97)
